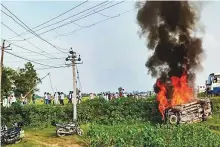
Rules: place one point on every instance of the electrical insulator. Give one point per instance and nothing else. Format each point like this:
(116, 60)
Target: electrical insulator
(71, 52)
(79, 59)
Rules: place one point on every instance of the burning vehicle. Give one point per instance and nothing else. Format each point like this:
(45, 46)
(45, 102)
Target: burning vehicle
(183, 107)
(195, 111)
(170, 28)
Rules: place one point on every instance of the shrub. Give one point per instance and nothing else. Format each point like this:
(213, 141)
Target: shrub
(96, 110)
(34, 115)
(153, 135)
(216, 105)
(118, 110)
(100, 111)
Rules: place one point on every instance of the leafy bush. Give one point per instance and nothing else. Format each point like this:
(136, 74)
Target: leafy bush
(153, 135)
(118, 110)
(34, 115)
(202, 94)
(216, 105)
(100, 111)
(96, 110)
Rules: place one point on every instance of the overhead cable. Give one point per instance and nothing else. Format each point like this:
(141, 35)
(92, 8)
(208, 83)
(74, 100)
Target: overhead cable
(25, 39)
(91, 25)
(29, 60)
(72, 21)
(21, 47)
(51, 19)
(29, 29)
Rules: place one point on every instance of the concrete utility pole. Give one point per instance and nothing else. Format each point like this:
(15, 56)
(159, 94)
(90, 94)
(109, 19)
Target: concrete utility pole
(75, 60)
(3, 48)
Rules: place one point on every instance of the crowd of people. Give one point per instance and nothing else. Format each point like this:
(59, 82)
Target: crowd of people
(48, 98)
(58, 97)
(122, 93)
(11, 99)
(109, 96)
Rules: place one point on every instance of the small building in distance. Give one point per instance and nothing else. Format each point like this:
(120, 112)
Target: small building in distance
(201, 88)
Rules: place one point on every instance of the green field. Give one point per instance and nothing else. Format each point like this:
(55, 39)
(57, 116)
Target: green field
(125, 122)
(101, 135)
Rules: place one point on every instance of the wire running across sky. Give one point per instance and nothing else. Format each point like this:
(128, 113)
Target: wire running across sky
(60, 21)
(77, 19)
(21, 47)
(26, 40)
(51, 66)
(48, 68)
(26, 32)
(15, 61)
(29, 29)
(92, 25)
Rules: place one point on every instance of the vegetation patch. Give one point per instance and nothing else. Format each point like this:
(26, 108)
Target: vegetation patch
(120, 122)
(153, 135)
(99, 111)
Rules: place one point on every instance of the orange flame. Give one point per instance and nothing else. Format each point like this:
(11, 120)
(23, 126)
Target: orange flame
(182, 93)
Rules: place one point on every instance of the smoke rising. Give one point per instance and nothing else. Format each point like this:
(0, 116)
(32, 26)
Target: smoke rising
(169, 28)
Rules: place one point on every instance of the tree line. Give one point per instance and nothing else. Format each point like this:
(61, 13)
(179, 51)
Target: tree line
(20, 80)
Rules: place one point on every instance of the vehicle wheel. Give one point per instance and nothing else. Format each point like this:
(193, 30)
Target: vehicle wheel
(80, 132)
(60, 132)
(173, 119)
(19, 140)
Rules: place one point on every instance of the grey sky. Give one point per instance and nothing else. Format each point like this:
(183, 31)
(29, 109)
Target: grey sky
(112, 52)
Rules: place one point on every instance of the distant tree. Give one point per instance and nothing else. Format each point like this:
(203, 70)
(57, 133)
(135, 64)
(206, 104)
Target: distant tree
(8, 77)
(26, 79)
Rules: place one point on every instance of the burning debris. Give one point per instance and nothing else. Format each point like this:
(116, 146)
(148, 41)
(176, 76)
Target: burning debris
(169, 27)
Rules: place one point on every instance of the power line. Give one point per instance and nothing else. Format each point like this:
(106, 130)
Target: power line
(25, 39)
(102, 14)
(53, 18)
(68, 17)
(35, 60)
(30, 60)
(53, 53)
(72, 21)
(64, 66)
(28, 49)
(58, 48)
(91, 25)
(25, 33)
(16, 40)
(30, 30)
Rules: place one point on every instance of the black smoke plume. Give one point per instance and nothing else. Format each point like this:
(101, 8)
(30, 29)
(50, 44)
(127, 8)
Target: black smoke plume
(169, 28)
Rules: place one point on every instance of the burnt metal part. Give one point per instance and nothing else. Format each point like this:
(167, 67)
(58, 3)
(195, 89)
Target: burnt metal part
(195, 111)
